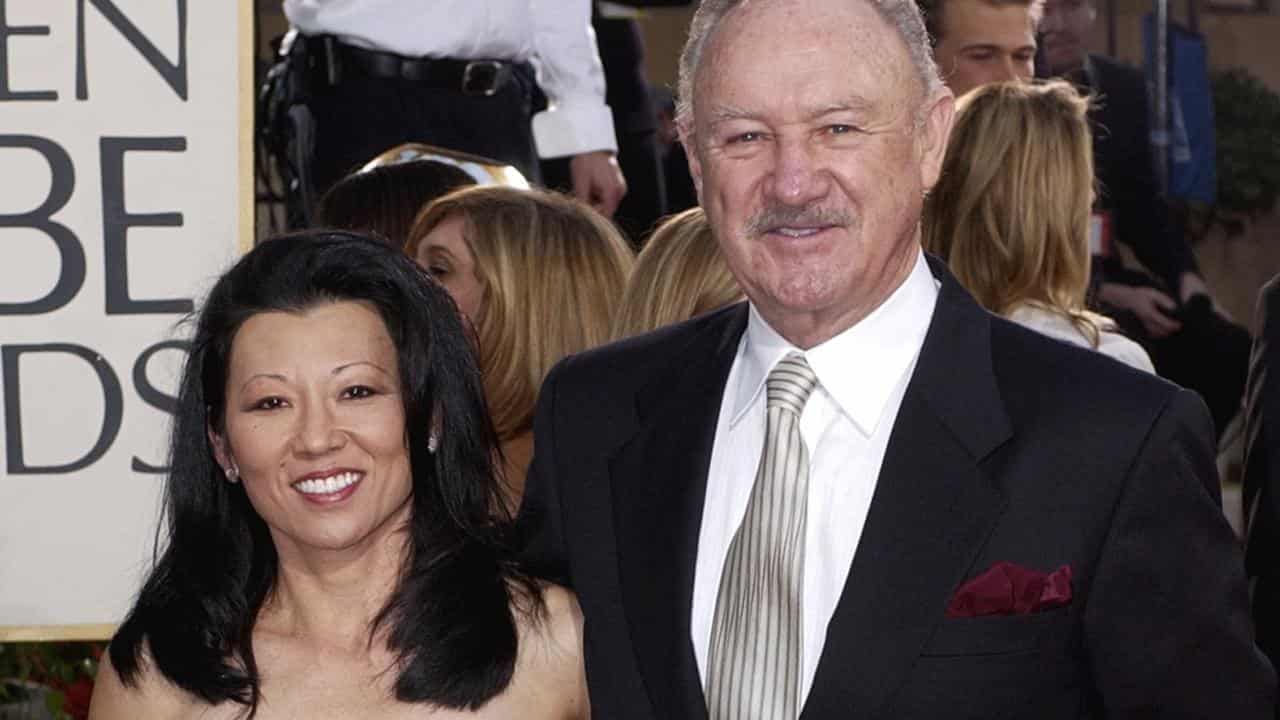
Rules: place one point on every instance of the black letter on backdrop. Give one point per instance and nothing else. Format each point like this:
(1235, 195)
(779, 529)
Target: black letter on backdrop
(175, 74)
(116, 222)
(71, 277)
(113, 407)
(153, 397)
(5, 31)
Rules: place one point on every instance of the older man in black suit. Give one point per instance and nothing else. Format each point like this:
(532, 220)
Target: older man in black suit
(859, 495)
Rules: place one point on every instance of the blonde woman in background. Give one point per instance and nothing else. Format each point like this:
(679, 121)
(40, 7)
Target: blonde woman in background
(539, 275)
(1011, 212)
(679, 274)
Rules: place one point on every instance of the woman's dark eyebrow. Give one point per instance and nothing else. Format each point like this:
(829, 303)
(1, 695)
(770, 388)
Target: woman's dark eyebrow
(373, 365)
(269, 376)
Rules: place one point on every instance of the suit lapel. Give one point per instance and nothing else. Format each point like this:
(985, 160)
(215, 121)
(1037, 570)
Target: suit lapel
(659, 482)
(932, 511)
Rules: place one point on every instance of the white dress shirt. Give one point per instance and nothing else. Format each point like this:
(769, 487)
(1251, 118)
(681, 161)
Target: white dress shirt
(862, 376)
(554, 35)
(1057, 326)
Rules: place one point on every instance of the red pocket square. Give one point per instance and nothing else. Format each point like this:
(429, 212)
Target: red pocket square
(1009, 589)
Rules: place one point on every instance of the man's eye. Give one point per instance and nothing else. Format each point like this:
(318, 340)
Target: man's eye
(745, 137)
(841, 129)
(269, 403)
(981, 56)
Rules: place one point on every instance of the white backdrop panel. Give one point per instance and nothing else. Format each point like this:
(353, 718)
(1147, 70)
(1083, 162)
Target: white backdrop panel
(92, 111)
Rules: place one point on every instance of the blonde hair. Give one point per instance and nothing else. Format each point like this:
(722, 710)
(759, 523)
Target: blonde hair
(679, 274)
(1010, 213)
(552, 270)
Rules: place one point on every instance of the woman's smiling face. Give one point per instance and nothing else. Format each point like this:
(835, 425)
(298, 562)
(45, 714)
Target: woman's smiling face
(315, 425)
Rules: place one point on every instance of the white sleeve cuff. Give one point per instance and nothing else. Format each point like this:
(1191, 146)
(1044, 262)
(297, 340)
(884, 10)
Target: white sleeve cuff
(573, 129)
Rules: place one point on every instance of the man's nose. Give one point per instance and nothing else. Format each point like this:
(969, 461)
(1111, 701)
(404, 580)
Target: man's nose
(1009, 69)
(800, 173)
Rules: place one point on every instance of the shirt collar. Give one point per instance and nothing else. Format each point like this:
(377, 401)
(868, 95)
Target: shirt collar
(860, 367)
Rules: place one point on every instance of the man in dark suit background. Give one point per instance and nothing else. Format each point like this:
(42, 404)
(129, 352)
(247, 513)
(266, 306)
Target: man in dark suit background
(635, 120)
(859, 495)
(976, 42)
(1171, 314)
(1262, 472)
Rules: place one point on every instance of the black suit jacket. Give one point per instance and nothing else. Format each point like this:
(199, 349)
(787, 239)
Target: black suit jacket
(1262, 472)
(1125, 170)
(1008, 447)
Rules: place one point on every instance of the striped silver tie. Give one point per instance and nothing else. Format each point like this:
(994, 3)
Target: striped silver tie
(754, 669)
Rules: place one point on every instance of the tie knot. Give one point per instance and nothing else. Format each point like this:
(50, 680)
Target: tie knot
(790, 383)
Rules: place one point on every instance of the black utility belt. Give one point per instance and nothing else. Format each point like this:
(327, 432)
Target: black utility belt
(333, 58)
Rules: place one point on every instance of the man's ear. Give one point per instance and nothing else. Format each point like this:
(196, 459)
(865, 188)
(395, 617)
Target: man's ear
(933, 134)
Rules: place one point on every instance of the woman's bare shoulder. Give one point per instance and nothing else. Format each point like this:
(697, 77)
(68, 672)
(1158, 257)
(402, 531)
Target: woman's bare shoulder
(551, 660)
(563, 615)
(149, 695)
(552, 620)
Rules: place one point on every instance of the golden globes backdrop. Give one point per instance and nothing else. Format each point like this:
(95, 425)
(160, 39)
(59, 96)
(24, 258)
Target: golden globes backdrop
(125, 189)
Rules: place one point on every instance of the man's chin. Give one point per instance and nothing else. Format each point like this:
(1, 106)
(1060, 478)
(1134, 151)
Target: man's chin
(799, 299)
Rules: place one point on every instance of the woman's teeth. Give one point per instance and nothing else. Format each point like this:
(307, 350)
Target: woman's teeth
(328, 485)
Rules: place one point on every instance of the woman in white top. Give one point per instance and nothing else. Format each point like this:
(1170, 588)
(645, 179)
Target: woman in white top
(1011, 212)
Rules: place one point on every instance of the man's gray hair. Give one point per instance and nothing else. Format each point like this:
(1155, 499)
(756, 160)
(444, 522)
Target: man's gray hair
(902, 15)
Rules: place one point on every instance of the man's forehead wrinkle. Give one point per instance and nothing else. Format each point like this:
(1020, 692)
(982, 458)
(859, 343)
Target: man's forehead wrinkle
(852, 103)
(720, 112)
(723, 112)
(795, 31)
(827, 24)
(867, 49)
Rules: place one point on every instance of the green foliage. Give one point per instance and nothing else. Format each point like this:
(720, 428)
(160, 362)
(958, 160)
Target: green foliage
(29, 668)
(1247, 117)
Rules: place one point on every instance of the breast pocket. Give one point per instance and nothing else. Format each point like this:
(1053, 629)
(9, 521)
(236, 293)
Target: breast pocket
(998, 634)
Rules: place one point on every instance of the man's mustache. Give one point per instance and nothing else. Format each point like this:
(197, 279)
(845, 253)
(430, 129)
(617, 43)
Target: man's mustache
(780, 216)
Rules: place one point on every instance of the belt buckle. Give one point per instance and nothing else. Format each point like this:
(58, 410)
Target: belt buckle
(481, 77)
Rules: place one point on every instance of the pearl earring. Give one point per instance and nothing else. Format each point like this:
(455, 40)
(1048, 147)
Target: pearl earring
(433, 443)
(233, 475)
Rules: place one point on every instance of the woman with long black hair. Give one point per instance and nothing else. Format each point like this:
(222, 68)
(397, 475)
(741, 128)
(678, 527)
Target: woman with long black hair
(335, 541)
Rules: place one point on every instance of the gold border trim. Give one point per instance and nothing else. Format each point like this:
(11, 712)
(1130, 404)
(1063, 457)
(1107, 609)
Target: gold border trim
(55, 633)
